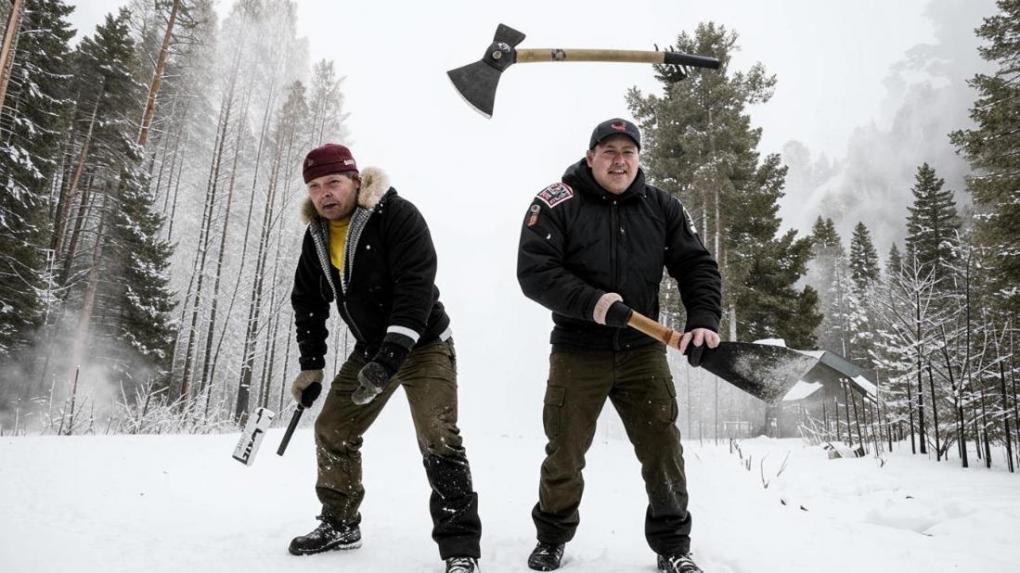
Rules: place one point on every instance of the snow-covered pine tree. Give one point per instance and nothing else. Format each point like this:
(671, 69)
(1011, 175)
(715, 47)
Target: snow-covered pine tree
(32, 122)
(993, 148)
(700, 146)
(827, 273)
(120, 284)
(144, 327)
(863, 258)
(894, 264)
(863, 312)
(933, 225)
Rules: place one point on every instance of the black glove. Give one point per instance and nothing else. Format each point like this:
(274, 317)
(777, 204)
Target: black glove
(306, 387)
(384, 365)
(618, 315)
(309, 395)
(695, 354)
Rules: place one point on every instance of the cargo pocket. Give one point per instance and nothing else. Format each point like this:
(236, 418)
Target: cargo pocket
(666, 408)
(552, 412)
(451, 352)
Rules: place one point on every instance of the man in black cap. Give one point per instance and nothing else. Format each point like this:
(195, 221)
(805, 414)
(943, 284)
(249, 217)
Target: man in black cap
(593, 246)
(368, 251)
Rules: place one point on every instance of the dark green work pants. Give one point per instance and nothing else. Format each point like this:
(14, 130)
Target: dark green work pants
(429, 378)
(639, 385)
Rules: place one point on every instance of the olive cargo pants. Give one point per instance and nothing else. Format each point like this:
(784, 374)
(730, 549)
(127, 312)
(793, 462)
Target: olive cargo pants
(429, 378)
(639, 385)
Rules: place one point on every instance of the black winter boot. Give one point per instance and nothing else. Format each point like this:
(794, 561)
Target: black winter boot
(328, 536)
(678, 563)
(546, 556)
(462, 565)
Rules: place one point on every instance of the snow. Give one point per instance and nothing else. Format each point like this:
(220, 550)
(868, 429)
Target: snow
(801, 390)
(173, 503)
(866, 385)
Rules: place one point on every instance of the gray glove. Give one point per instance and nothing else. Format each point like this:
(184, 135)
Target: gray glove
(306, 387)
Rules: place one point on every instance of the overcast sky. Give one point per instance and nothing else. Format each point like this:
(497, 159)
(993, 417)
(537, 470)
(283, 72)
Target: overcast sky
(474, 177)
(831, 58)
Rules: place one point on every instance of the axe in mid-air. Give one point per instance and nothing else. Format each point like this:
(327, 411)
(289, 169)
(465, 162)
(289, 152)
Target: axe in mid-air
(763, 371)
(477, 82)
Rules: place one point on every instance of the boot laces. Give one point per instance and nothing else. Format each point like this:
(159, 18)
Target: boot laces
(460, 565)
(682, 563)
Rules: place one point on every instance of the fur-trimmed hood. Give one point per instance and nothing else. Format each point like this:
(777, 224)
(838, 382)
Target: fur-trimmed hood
(374, 184)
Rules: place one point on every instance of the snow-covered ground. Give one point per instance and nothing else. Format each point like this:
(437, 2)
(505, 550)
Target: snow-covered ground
(180, 503)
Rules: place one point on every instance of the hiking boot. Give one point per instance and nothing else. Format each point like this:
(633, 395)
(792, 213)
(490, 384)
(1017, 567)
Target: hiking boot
(678, 563)
(546, 556)
(462, 565)
(328, 536)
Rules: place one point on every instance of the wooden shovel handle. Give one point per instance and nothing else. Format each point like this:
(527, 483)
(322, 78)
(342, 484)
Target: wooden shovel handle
(668, 336)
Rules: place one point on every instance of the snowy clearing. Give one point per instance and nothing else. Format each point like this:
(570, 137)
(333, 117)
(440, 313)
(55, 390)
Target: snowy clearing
(180, 503)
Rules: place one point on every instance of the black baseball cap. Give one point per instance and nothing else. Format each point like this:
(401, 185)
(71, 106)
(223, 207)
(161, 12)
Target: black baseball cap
(615, 126)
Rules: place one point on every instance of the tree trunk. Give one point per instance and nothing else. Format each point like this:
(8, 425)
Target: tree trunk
(846, 404)
(1005, 418)
(274, 331)
(157, 76)
(957, 401)
(84, 321)
(177, 189)
(254, 309)
(211, 328)
(156, 183)
(286, 365)
(910, 408)
(79, 221)
(8, 48)
(984, 429)
(934, 414)
(247, 225)
(202, 247)
(68, 197)
(857, 421)
(920, 385)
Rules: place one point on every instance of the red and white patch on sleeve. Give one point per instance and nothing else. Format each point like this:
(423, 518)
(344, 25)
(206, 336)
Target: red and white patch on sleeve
(533, 215)
(555, 194)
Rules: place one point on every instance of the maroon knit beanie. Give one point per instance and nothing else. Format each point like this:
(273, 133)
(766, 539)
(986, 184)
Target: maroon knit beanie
(327, 159)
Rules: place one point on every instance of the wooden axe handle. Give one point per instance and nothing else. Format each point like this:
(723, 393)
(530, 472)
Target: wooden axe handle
(657, 331)
(640, 56)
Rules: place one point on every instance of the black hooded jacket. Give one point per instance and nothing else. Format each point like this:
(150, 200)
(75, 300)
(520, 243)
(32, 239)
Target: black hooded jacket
(579, 241)
(388, 284)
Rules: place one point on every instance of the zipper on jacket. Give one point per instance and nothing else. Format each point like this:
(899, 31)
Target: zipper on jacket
(341, 296)
(613, 261)
(345, 282)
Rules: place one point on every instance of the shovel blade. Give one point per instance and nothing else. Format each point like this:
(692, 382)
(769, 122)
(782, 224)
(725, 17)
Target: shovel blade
(763, 371)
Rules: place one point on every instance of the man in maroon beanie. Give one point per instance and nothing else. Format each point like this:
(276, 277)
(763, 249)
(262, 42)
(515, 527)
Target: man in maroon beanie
(368, 251)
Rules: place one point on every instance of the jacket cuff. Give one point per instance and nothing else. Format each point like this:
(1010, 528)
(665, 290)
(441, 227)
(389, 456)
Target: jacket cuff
(589, 307)
(401, 336)
(312, 362)
(702, 319)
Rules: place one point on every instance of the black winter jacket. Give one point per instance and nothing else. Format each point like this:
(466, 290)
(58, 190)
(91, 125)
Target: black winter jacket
(388, 284)
(579, 241)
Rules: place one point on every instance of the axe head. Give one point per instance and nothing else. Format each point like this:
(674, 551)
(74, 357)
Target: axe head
(477, 82)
